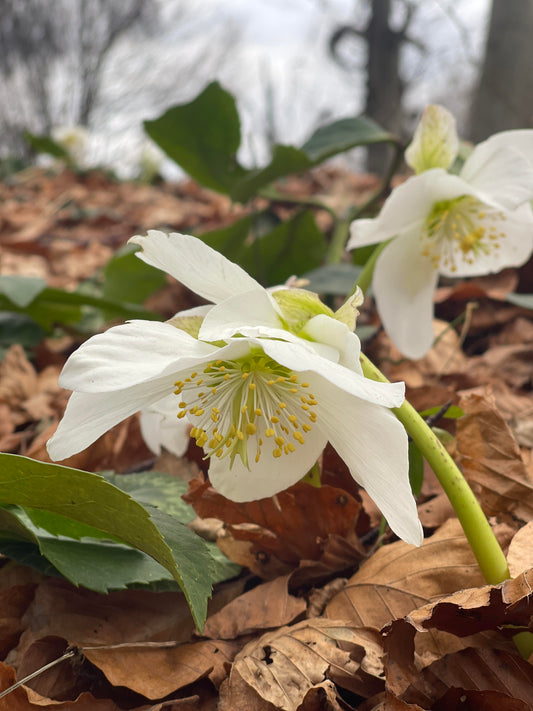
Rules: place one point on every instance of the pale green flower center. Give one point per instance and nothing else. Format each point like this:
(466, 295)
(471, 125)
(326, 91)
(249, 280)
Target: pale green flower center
(253, 398)
(461, 230)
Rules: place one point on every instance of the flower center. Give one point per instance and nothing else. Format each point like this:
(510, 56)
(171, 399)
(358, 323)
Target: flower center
(252, 400)
(460, 230)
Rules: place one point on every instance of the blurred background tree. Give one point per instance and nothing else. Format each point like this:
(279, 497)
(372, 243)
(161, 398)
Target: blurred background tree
(504, 96)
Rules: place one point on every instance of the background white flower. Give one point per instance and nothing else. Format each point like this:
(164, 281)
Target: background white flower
(474, 223)
(265, 382)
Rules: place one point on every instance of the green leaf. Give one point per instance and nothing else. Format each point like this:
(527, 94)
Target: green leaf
(326, 142)
(203, 137)
(342, 135)
(56, 307)
(523, 300)
(45, 144)
(453, 412)
(158, 489)
(89, 499)
(337, 279)
(285, 160)
(19, 328)
(294, 246)
(128, 279)
(416, 468)
(21, 291)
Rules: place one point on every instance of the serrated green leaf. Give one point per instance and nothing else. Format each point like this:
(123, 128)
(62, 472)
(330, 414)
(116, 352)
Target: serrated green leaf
(21, 291)
(337, 279)
(203, 137)
(128, 279)
(163, 491)
(523, 300)
(342, 135)
(416, 468)
(91, 500)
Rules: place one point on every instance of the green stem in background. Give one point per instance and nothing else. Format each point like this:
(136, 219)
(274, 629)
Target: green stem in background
(365, 278)
(477, 530)
(341, 228)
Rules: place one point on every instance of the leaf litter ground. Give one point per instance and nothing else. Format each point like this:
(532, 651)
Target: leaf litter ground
(321, 615)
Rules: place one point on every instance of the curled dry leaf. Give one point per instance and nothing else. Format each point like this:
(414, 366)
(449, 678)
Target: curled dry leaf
(482, 669)
(156, 670)
(291, 526)
(491, 460)
(400, 578)
(520, 553)
(281, 667)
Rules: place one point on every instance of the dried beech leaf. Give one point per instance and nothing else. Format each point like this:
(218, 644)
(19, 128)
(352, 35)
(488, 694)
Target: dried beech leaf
(292, 525)
(484, 608)
(473, 669)
(25, 699)
(156, 669)
(282, 666)
(491, 460)
(267, 606)
(460, 699)
(399, 578)
(520, 553)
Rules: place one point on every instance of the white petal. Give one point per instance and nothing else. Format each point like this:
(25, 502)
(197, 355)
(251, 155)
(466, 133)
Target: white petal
(254, 309)
(408, 206)
(328, 330)
(89, 415)
(268, 476)
(194, 311)
(499, 174)
(199, 267)
(131, 353)
(373, 444)
(515, 248)
(404, 282)
(161, 428)
(300, 359)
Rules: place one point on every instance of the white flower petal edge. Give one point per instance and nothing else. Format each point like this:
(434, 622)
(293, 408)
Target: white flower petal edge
(408, 206)
(160, 428)
(515, 247)
(501, 176)
(197, 266)
(131, 353)
(298, 359)
(404, 282)
(254, 309)
(269, 475)
(356, 430)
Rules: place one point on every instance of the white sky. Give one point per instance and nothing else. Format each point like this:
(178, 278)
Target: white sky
(280, 58)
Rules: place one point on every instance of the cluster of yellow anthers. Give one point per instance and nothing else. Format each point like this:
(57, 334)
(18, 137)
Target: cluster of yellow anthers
(462, 223)
(254, 397)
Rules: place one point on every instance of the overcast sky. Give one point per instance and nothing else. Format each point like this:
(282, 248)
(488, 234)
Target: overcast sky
(273, 56)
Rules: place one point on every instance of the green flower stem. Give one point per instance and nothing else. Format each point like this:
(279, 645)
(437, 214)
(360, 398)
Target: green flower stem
(365, 278)
(337, 245)
(477, 530)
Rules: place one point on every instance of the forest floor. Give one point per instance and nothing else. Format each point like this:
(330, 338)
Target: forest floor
(323, 614)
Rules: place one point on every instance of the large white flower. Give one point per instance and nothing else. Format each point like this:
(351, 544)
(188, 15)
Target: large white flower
(264, 378)
(465, 225)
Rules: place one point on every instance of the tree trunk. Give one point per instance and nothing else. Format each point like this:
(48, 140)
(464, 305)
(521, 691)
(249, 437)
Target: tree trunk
(384, 85)
(504, 96)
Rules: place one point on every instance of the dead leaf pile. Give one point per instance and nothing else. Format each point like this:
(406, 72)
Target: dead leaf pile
(325, 615)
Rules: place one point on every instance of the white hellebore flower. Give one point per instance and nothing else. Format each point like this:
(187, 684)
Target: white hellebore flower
(474, 223)
(265, 379)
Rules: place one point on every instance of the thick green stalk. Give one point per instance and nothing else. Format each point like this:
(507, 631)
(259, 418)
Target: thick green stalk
(477, 530)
